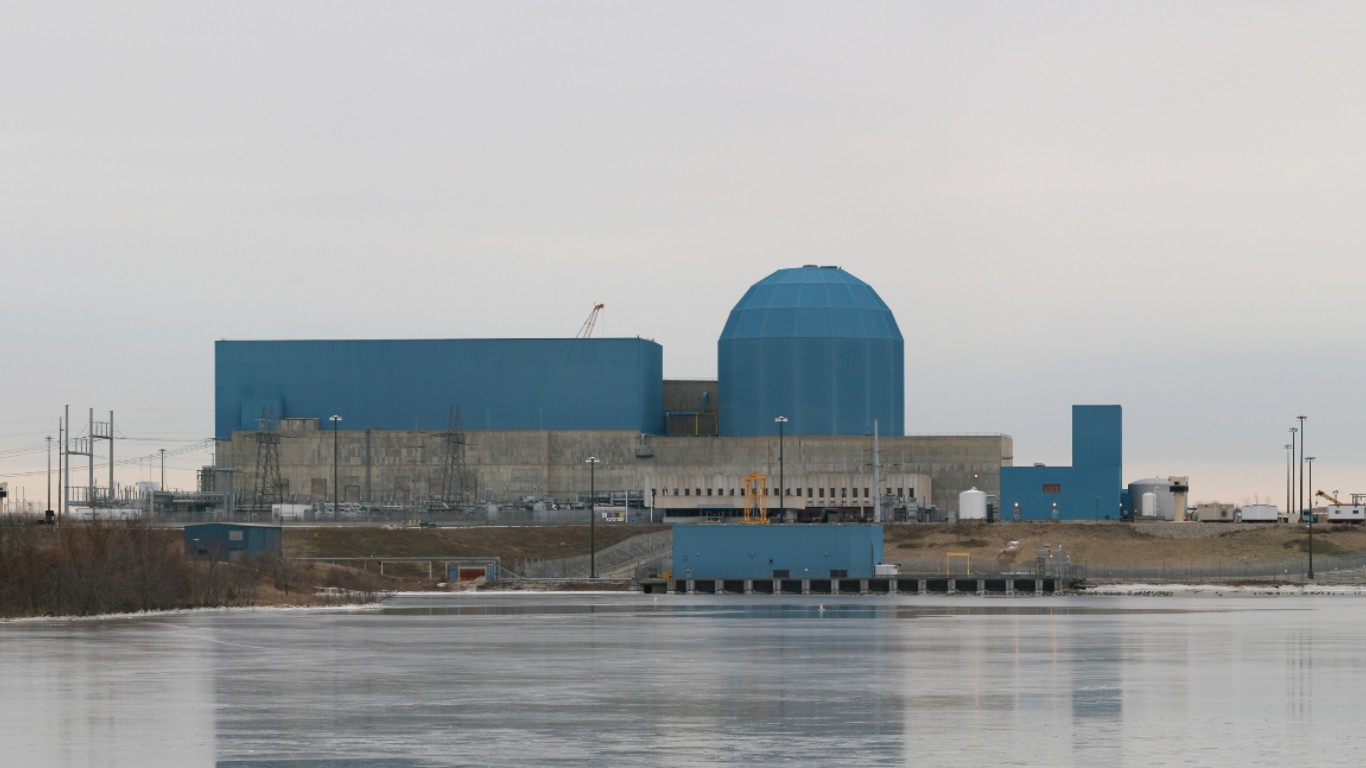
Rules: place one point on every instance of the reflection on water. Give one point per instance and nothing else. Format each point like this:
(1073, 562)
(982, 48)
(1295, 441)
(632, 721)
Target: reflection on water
(589, 680)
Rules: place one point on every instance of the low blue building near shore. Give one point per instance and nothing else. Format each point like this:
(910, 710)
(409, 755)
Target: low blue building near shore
(232, 541)
(707, 551)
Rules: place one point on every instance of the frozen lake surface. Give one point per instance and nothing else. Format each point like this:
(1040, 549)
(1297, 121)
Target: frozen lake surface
(633, 680)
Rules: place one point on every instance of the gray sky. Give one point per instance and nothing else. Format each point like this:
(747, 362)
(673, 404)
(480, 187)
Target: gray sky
(1153, 204)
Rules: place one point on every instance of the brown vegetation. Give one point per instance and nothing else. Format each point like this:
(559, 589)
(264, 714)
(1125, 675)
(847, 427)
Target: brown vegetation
(101, 568)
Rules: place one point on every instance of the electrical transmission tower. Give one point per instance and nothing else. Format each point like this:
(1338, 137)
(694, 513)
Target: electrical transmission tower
(269, 486)
(455, 478)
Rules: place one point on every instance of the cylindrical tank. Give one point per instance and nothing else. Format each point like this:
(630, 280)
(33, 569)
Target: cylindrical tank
(972, 505)
(1163, 503)
(815, 345)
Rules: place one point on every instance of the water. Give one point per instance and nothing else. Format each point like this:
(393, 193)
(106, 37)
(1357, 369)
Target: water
(617, 680)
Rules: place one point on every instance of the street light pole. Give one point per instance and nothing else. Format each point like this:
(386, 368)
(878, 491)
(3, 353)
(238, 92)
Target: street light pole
(1310, 462)
(1290, 505)
(1299, 500)
(592, 463)
(782, 478)
(335, 419)
(1289, 473)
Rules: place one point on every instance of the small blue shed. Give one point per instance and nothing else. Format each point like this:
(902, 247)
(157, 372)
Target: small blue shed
(232, 541)
(776, 551)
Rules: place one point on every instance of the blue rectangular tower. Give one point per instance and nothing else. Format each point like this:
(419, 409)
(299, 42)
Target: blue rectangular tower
(1097, 436)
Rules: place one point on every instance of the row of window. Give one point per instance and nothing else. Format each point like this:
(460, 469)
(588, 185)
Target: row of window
(843, 492)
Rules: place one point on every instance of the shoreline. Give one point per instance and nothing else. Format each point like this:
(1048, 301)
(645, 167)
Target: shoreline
(1134, 589)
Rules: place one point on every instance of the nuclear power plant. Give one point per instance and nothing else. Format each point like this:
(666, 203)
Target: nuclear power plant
(809, 397)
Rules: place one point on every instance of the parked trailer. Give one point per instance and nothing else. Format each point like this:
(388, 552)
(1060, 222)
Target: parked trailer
(1259, 513)
(1346, 513)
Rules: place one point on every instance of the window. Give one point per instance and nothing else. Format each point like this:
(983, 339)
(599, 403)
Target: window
(809, 493)
(708, 491)
(865, 492)
(686, 491)
(844, 493)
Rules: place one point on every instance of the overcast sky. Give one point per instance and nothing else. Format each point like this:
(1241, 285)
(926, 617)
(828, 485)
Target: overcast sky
(1160, 205)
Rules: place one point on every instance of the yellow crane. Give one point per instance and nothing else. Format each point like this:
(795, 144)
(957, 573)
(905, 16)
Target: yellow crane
(1330, 497)
(587, 329)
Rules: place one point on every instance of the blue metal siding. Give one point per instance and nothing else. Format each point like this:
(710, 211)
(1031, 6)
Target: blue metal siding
(818, 346)
(756, 551)
(556, 384)
(1086, 493)
(1097, 436)
(216, 540)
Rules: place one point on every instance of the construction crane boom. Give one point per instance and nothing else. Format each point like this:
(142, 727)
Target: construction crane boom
(1330, 497)
(587, 330)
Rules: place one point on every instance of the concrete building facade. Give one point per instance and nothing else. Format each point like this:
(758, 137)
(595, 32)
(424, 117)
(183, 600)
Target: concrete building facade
(378, 466)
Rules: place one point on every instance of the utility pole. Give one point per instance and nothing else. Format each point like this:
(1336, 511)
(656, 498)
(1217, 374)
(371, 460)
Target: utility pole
(1300, 499)
(163, 469)
(1310, 461)
(48, 511)
(62, 481)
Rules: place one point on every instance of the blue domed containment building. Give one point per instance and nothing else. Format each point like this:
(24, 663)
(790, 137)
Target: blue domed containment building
(814, 344)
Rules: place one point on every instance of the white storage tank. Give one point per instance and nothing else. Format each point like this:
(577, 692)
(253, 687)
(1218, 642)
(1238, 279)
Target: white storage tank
(972, 505)
(1163, 503)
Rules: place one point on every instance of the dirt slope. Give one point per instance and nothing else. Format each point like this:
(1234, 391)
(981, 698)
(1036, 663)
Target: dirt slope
(1121, 544)
(1116, 544)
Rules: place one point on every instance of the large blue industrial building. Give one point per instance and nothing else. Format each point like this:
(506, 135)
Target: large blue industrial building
(816, 345)
(503, 384)
(813, 344)
(1090, 489)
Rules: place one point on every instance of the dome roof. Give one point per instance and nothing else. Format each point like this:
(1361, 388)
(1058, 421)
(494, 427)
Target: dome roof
(811, 302)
